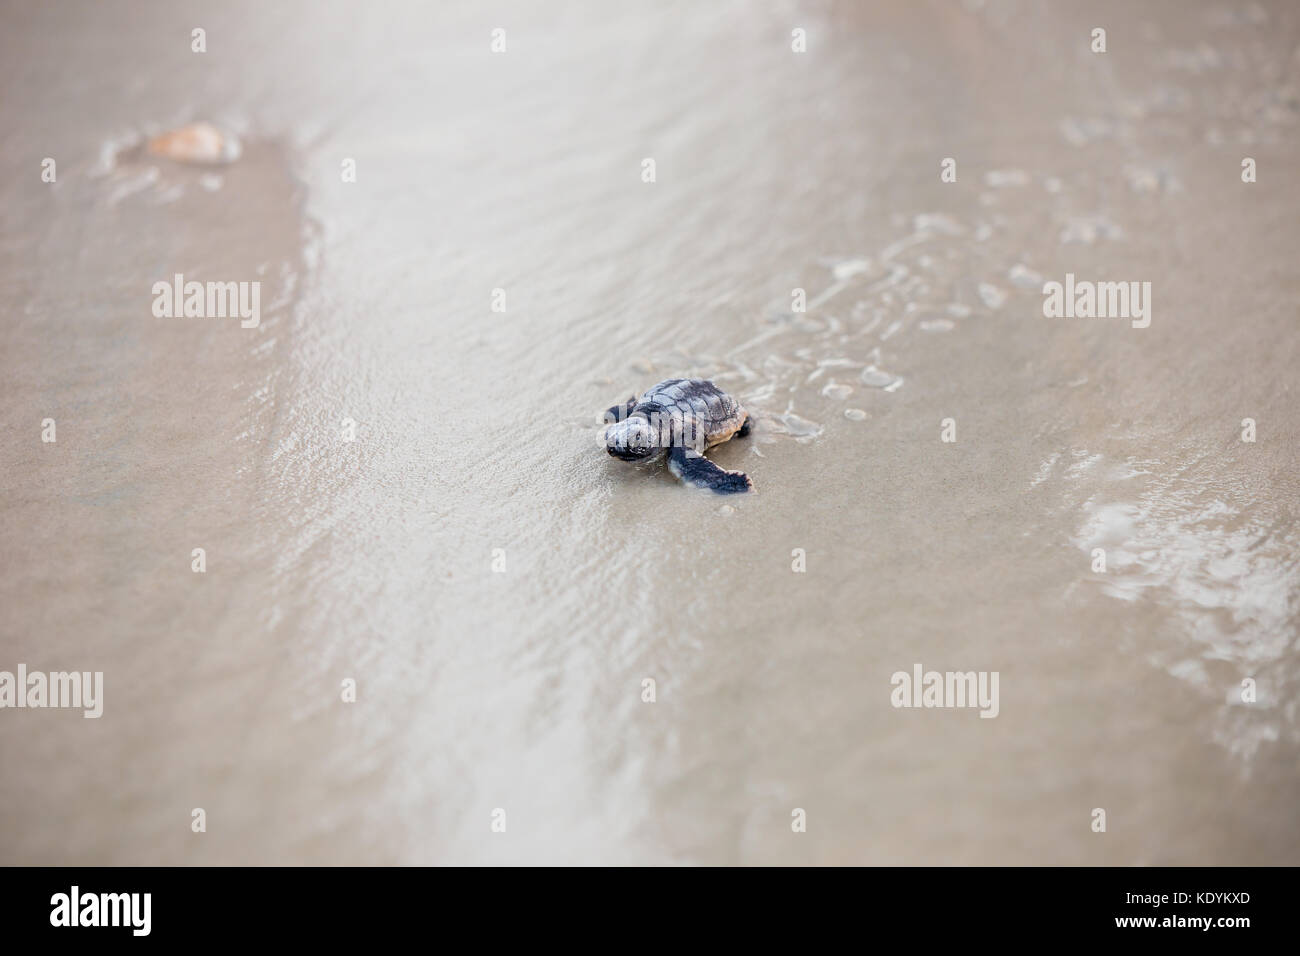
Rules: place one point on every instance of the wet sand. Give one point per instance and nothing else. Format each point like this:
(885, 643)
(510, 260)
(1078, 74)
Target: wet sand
(477, 434)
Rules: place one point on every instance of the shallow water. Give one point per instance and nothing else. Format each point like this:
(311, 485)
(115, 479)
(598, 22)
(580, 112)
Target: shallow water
(499, 588)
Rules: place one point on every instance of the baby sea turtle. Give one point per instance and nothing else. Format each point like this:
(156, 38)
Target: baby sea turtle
(683, 416)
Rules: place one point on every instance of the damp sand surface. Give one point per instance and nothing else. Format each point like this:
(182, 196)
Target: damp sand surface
(497, 587)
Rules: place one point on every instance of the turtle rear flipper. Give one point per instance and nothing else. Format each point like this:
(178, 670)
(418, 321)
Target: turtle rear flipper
(695, 469)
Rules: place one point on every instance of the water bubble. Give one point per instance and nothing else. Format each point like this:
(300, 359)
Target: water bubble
(991, 295)
(938, 325)
(797, 427)
(937, 222)
(1000, 178)
(877, 378)
(1151, 179)
(1024, 277)
(1080, 132)
(850, 268)
(1088, 229)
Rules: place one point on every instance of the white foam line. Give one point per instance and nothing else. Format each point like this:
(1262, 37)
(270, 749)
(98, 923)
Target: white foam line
(763, 337)
(895, 248)
(829, 294)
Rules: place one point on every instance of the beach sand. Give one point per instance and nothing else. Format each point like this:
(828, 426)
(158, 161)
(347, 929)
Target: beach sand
(498, 588)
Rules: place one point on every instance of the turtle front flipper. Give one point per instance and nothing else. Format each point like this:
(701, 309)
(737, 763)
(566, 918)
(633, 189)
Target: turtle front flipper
(694, 469)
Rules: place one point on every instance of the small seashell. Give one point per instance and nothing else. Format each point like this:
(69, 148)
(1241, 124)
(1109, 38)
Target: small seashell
(197, 143)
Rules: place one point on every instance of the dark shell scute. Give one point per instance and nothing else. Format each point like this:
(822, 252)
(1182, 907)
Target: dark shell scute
(713, 410)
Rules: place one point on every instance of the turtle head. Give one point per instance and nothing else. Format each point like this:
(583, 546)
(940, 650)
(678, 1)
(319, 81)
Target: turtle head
(632, 439)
